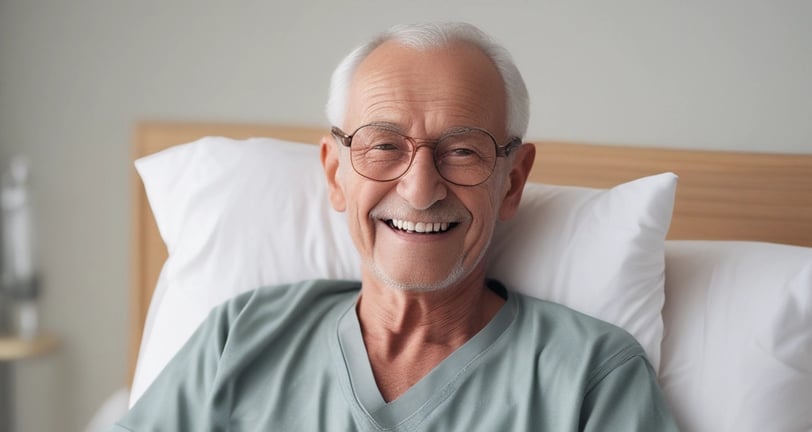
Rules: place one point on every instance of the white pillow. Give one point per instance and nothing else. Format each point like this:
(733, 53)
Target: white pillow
(737, 349)
(236, 215)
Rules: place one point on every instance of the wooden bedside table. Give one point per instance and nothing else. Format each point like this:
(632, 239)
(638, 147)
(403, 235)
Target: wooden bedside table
(15, 349)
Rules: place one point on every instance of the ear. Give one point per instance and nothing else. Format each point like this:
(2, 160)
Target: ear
(330, 154)
(519, 171)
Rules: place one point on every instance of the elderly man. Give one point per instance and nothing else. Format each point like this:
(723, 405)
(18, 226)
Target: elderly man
(425, 157)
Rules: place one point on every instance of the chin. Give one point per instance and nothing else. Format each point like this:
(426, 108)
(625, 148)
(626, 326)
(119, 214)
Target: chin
(415, 285)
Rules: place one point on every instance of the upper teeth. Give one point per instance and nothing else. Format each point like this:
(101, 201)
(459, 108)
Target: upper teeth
(420, 227)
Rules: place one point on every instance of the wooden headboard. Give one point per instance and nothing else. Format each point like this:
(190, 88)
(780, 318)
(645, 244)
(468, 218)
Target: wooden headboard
(721, 195)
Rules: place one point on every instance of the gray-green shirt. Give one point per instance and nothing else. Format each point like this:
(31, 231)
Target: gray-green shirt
(291, 358)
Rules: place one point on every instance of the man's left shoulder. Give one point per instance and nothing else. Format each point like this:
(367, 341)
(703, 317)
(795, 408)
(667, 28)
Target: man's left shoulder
(564, 326)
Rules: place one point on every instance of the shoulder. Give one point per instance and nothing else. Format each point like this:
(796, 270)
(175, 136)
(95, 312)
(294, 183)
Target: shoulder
(304, 294)
(267, 310)
(594, 369)
(265, 313)
(287, 299)
(558, 318)
(575, 337)
(279, 316)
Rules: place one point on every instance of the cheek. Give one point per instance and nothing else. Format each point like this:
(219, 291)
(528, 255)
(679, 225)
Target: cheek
(484, 213)
(497, 192)
(351, 191)
(361, 198)
(491, 210)
(503, 208)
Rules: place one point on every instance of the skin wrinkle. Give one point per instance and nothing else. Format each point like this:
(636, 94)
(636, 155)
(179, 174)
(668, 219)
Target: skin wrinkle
(436, 104)
(399, 103)
(423, 295)
(461, 98)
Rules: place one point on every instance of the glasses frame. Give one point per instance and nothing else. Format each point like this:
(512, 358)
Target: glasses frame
(505, 150)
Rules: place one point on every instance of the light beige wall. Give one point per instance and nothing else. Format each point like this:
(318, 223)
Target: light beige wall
(76, 76)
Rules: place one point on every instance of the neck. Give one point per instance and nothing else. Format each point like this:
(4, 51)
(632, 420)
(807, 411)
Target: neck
(434, 317)
(408, 333)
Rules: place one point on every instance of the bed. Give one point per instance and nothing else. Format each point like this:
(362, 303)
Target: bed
(738, 245)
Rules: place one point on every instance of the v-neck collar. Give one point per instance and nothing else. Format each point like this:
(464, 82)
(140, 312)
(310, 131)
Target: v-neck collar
(421, 399)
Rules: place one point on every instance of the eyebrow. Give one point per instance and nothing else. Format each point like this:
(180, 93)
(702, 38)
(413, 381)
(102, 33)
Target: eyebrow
(386, 125)
(395, 127)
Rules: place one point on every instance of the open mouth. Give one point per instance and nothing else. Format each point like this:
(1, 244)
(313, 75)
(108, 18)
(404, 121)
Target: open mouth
(420, 227)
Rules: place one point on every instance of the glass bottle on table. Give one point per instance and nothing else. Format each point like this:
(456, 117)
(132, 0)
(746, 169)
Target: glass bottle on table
(19, 281)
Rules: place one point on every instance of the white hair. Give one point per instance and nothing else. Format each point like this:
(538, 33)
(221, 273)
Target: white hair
(436, 35)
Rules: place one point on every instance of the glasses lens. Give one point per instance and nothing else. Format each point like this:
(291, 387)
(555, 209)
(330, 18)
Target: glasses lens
(466, 158)
(379, 153)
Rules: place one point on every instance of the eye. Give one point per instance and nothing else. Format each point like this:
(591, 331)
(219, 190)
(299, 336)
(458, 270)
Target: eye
(385, 146)
(460, 152)
(378, 139)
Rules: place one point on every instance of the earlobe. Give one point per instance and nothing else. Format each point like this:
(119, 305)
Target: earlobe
(519, 172)
(330, 162)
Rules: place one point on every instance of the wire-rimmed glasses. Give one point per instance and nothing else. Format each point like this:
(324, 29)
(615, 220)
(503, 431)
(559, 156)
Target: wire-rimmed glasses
(465, 156)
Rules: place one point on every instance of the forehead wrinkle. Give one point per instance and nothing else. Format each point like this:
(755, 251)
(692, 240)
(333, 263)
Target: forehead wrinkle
(398, 104)
(405, 86)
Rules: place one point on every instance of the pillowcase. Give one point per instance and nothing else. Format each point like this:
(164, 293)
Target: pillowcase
(236, 215)
(737, 349)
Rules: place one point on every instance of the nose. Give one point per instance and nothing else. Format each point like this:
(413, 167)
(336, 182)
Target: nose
(422, 185)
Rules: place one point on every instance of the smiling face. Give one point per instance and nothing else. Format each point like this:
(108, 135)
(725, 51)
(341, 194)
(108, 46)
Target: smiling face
(420, 232)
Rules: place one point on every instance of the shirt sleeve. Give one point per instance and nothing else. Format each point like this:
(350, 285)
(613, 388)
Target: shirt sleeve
(627, 398)
(181, 396)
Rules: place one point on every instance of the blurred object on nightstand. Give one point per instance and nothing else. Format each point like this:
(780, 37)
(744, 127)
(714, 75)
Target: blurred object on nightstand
(19, 282)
